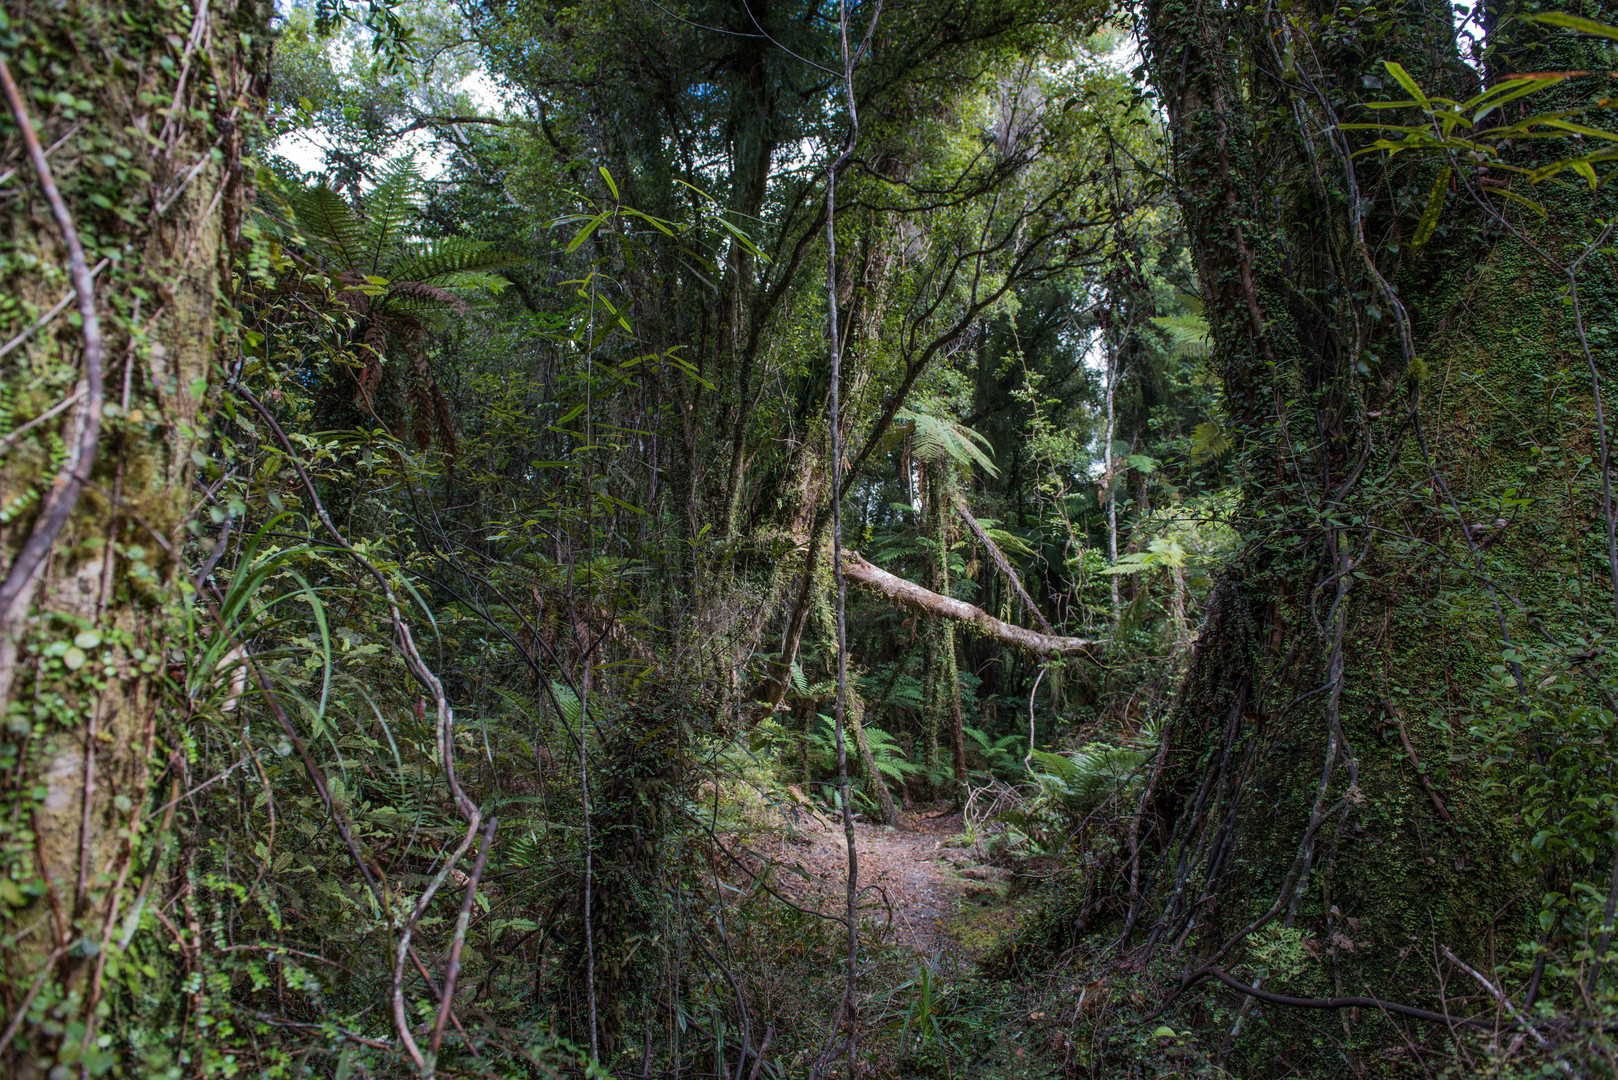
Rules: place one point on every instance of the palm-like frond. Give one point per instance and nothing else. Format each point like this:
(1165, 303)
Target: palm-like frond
(1188, 335)
(938, 439)
(453, 262)
(330, 224)
(431, 295)
(1208, 443)
(387, 209)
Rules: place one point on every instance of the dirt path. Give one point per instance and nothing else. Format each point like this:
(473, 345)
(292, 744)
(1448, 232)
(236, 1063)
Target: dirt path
(907, 869)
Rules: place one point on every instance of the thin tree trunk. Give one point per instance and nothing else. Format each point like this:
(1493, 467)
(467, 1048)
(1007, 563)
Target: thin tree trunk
(1003, 564)
(1107, 473)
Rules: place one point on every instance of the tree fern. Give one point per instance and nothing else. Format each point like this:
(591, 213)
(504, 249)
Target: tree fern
(1188, 335)
(329, 224)
(939, 439)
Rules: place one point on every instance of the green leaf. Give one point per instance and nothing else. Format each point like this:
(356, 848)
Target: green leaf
(611, 186)
(1575, 22)
(1435, 205)
(1530, 203)
(1208, 443)
(939, 439)
(1404, 79)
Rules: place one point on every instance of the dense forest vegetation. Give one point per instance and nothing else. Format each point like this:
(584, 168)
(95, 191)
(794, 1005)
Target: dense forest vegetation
(761, 538)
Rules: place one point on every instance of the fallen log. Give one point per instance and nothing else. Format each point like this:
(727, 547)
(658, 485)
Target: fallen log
(913, 596)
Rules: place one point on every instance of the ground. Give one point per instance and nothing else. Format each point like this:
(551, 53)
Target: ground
(917, 878)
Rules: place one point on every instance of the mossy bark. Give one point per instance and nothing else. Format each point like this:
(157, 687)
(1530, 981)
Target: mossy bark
(145, 108)
(1362, 602)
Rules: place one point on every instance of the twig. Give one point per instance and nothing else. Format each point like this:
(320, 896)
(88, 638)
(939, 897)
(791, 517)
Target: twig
(344, 1032)
(764, 1048)
(1498, 995)
(28, 998)
(42, 417)
(1421, 777)
(453, 970)
(64, 494)
(45, 320)
(49, 150)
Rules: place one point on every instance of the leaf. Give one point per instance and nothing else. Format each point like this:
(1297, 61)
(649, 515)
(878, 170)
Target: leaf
(1575, 22)
(330, 222)
(1404, 80)
(938, 439)
(1435, 205)
(1530, 203)
(1188, 334)
(611, 185)
(1208, 443)
(387, 208)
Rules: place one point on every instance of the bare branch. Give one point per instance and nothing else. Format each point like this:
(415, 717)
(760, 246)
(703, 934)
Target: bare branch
(913, 596)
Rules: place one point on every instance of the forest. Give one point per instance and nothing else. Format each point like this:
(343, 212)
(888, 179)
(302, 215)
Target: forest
(781, 539)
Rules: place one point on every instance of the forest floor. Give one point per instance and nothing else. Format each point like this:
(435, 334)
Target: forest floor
(917, 878)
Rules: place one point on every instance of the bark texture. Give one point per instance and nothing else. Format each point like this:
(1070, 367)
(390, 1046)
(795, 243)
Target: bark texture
(143, 108)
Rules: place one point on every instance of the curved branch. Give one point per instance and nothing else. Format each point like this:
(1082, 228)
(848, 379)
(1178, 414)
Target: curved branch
(69, 482)
(1201, 974)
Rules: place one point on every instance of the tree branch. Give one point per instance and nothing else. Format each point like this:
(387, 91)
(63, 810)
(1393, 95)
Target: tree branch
(913, 596)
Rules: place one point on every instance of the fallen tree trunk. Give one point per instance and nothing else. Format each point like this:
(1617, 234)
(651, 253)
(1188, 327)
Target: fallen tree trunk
(913, 596)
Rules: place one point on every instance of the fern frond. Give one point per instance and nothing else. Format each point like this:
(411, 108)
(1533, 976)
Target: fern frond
(1208, 443)
(450, 257)
(387, 208)
(938, 439)
(330, 223)
(430, 294)
(1188, 335)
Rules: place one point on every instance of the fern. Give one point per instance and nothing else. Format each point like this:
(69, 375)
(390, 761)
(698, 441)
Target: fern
(1208, 443)
(939, 439)
(329, 223)
(388, 208)
(1188, 335)
(1084, 777)
(453, 262)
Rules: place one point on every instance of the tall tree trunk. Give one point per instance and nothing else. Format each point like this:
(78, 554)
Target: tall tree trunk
(1346, 364)
(87, 631)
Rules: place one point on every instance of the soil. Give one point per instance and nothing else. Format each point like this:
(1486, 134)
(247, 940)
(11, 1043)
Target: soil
(913, 882)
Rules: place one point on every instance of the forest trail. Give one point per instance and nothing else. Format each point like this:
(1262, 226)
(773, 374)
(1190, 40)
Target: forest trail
(909, 870)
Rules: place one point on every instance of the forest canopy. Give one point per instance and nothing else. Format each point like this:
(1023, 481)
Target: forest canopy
(761, 538)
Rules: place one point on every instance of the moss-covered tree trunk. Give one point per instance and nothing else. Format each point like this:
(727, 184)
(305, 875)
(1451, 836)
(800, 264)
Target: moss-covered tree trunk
(141, 111)
(1333, 790)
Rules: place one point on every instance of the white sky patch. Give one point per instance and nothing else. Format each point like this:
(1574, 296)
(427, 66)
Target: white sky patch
(307, 147)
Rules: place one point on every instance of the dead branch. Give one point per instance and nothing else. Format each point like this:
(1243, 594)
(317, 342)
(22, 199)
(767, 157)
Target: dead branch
(913, 596)
(1000, 561)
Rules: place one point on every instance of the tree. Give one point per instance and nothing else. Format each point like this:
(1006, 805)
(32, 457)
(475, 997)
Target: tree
(125, 198)
(1393, 569)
